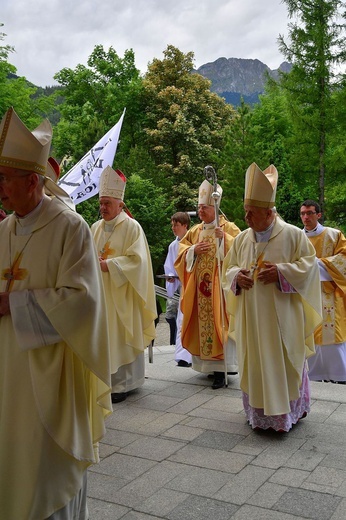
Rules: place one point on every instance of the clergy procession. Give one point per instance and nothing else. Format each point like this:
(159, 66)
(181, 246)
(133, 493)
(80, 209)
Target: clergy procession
(78, 306)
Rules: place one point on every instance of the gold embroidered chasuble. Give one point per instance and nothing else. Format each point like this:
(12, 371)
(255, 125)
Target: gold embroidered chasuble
(330, 247)
(54, 397)
(201, 332)
(273, 330)
(129, 288)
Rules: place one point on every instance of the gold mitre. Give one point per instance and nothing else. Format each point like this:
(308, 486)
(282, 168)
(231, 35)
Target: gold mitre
(111, 184)
(260, 187)
(205, 193)
(22, 149)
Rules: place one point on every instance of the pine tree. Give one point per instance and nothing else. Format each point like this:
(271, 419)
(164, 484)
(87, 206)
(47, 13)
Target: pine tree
(316, 49)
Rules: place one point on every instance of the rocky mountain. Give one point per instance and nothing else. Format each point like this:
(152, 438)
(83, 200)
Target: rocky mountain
(234, 78)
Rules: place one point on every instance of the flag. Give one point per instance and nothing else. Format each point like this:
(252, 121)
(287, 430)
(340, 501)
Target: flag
(82, 181)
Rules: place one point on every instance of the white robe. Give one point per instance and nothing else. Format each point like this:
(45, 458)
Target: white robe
(273, 329)
(54, 361)
(130, 297)
(180, 352)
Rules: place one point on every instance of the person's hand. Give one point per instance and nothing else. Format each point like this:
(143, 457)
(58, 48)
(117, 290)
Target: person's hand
(5, 304)
(269, 274)
(103, 265)
(201, 248)
(244, 281)
(218, 232)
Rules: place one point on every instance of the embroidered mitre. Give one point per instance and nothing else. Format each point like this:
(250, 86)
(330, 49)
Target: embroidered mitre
(22, 149)
(112, 184)
(260, 186)
(205, 193)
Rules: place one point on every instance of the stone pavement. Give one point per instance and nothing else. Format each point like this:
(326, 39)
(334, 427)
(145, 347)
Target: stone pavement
(178, 450)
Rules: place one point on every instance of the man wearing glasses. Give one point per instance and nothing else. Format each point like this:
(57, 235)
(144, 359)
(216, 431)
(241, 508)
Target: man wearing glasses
(329, 363)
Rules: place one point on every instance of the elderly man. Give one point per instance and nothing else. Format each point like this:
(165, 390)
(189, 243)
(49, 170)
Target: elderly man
(202, 303)
(329, 363)
(125, 263)
(271, 278)
(54, 356)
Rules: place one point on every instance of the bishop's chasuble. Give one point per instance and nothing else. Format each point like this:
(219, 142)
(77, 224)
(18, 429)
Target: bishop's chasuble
(330, 247)
(130, 294)
(273, 330)
(201, 332)
(54, 394)
(330, 338)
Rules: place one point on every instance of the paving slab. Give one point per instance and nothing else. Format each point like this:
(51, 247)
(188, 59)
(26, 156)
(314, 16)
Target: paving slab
(177, 450)
(317, 506)
(200, 508)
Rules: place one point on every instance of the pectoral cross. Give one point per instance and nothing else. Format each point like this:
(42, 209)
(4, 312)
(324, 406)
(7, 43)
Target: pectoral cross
(259, 264)
(14, 273)
(106, 251)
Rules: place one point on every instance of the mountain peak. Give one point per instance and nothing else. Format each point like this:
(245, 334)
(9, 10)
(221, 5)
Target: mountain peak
(239, 76)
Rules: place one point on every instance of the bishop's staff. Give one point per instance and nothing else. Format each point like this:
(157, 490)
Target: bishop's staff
(210, 175)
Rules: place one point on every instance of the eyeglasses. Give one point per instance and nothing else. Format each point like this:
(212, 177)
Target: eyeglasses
(307, 213)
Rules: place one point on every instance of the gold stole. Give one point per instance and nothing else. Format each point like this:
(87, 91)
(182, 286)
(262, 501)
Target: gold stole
(204, 278)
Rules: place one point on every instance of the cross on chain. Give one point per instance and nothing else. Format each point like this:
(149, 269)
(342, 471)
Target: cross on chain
(106, 251)
(14, 273)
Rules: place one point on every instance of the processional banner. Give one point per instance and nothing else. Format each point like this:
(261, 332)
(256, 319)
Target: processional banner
(82, 181)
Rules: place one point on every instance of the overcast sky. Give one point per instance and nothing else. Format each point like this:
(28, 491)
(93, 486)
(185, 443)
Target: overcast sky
(49, 35)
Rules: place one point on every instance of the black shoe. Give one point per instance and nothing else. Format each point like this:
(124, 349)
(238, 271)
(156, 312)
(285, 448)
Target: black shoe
(182, 363)
(232, 373)
(118, 398)
(219, 380)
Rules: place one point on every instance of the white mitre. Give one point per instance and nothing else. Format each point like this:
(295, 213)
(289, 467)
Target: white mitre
(205, 193)
(111, 184)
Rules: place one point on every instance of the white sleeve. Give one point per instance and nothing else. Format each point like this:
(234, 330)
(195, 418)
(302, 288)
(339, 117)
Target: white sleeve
(190, 259)
(324, 275)
(32, 327)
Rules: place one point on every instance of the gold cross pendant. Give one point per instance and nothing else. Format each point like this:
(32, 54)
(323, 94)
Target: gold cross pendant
(14, 273)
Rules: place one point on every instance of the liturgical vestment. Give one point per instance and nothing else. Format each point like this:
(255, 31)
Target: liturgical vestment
(55, 390)
(329, 363)
(273, 329)
(201, 333)
(130, 295)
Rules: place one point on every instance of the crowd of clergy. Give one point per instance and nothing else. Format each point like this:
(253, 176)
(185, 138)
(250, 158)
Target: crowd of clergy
(78, 309)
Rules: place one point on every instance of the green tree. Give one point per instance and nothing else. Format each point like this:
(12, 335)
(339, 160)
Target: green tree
(147, 203)
(272, 133)
(94, 99)
(316, 48)
(237, 155)
(335, 210)
(185, 122)
(18, 92)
